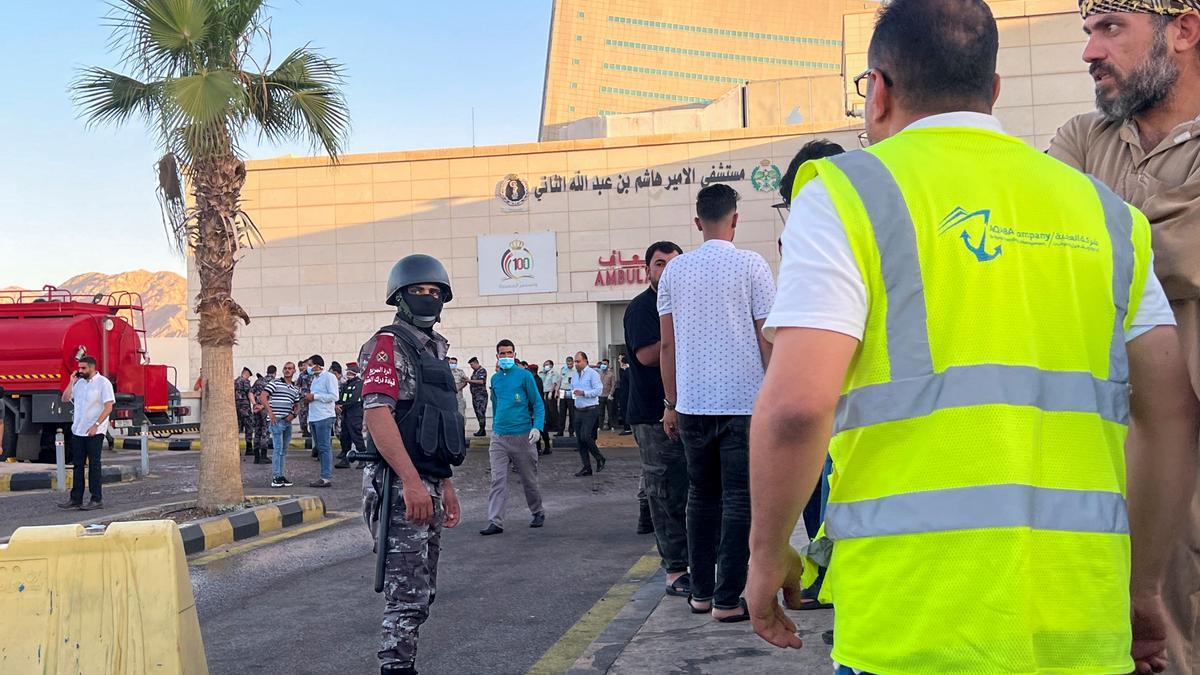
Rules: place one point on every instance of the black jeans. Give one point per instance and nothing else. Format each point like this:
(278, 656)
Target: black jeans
(86, 448)
(718, 506)
(606, 420)
(664, 474)
(585, 432)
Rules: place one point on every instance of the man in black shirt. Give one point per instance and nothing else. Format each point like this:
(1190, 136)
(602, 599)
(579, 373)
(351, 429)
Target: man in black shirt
(664, 468)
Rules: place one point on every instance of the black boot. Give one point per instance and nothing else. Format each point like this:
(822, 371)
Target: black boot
(645, 523)
(390, 669)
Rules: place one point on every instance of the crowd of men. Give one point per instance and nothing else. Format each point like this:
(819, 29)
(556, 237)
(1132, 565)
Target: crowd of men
(970, 385)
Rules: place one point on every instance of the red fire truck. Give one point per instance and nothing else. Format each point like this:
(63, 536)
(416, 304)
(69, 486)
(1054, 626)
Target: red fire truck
(43, 334)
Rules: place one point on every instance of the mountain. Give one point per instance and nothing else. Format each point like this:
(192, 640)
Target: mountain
(164, 296)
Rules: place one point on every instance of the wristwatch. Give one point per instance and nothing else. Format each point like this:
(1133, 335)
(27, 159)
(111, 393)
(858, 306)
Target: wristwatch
(668, 404)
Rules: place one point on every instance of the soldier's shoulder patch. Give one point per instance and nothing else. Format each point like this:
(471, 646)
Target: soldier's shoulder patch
(380, 375)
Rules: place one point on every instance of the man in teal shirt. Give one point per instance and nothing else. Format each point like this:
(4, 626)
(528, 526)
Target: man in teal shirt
(518, 415)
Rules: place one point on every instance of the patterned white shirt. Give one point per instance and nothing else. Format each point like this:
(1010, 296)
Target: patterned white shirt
(714, 295)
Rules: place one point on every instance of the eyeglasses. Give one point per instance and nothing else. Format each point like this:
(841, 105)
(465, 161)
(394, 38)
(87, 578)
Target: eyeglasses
(863, 139)
(865, 77)
(431, 292)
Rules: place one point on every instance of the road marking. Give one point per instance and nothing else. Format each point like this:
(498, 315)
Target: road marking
(563, 654)
(203, 559)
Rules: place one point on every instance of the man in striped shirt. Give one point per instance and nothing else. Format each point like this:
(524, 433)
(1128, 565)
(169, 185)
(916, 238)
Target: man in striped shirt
(281, 399)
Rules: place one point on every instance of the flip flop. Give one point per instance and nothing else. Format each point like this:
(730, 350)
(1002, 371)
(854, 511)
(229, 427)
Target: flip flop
(737, 618)
(681, 587)
(698, 611)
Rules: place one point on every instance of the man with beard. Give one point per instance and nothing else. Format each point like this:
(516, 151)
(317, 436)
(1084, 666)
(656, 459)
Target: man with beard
(1144, 142)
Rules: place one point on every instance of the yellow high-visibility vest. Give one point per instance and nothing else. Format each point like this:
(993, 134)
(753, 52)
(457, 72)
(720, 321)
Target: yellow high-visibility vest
(977, 507)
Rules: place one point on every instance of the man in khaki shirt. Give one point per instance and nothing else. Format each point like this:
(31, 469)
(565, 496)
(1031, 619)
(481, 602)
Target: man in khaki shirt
(1144, 143)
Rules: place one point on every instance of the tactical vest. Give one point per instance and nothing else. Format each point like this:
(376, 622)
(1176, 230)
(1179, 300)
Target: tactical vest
(433, 432)
(977, 507)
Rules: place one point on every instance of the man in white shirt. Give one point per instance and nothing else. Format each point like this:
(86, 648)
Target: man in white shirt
(321, 396)
(93, 397)
(711, 304)
(585, 390)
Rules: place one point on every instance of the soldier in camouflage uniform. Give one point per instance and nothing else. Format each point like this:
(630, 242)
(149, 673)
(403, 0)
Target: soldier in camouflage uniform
(304, 383)
(241, 400)
(405, 368)
(262, 422)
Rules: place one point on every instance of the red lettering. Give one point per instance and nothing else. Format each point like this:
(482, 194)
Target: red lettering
(599, 278)
(610, 277)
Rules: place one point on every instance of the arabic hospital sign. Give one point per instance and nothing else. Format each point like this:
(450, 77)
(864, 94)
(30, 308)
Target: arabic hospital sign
(514, 192)
(615, 270)
(511, 264)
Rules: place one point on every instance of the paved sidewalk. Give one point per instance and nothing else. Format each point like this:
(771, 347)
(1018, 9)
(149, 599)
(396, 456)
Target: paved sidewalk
(656, 633)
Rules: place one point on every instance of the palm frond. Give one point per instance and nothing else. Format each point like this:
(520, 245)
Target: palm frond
(236, 23)
(107, 97)
(160, 37)
(302, 96)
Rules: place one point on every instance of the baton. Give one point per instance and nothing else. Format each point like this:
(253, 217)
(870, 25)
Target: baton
(381, 529)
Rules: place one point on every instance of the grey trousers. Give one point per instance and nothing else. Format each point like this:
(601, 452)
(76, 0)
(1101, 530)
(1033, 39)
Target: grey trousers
(522, 454)
(665, 481)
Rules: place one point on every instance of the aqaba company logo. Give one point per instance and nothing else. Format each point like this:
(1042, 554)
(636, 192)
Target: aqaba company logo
(961, 218)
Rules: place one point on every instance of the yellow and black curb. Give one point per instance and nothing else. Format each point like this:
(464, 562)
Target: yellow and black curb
(46, 480)
(209, 533)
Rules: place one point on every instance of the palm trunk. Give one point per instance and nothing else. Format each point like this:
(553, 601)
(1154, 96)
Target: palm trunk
(217, 187)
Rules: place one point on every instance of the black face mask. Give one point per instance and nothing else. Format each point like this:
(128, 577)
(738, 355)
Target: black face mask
(425, 308)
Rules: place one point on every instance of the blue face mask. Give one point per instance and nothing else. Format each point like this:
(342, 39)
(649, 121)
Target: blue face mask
(308, 370)
(603, 366)
(507, 363)
(454, 366)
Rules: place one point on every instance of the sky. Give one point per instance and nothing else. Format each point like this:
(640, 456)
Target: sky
(74, 199)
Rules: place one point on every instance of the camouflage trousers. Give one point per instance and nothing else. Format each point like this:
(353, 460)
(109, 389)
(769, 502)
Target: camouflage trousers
(246, 425)
(410, 576)
(261, 426)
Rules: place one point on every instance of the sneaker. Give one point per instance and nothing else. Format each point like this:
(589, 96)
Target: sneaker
(342, 463)
(583, 472)
(538, 520)
(69, 505)
(321, 483)
(277, 482)
(92, 505)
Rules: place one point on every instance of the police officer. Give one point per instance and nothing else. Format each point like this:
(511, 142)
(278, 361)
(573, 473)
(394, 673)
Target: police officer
(241, 399)
(304, 382)
(259, 417)
(405, 372)
(351, 410)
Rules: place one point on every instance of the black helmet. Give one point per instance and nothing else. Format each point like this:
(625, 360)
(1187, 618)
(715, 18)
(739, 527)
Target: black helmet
(417, 268)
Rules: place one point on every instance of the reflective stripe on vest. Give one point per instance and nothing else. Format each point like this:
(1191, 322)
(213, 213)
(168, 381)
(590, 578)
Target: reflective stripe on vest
(915, 390)
(979, 507)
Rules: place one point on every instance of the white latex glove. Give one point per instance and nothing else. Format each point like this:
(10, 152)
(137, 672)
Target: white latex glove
(534, 436)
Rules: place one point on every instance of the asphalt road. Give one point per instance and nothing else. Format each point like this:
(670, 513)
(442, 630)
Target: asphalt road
(305, 604)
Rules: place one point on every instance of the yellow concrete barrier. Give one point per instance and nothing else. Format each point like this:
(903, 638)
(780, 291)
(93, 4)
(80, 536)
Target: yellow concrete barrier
(113, 602)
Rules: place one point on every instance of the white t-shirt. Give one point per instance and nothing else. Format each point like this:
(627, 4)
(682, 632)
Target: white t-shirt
(714, 295)
(820, 285)
(89, 397)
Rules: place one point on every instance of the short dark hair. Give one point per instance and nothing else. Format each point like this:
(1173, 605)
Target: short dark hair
(716, 202)
(584, 355)
(818, 149)
(90, 360)
(550, 361)
(335, 367)
(505, 343)
(316, 360)
(667, 247)
(473, 359)
(271, 369)
(247, 370)
(954, 64)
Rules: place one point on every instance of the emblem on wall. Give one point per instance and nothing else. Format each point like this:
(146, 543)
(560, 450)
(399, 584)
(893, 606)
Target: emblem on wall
(766, 177)
(512, 191)
(517, 261)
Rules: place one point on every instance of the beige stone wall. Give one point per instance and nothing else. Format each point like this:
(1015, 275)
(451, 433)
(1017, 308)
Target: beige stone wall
(332, 234)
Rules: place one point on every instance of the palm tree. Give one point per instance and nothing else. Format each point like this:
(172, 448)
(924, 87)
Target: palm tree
(195, 81)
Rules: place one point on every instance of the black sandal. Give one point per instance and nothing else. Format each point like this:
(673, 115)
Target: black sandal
(738, 618)
(681, 587)
(698, 611)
